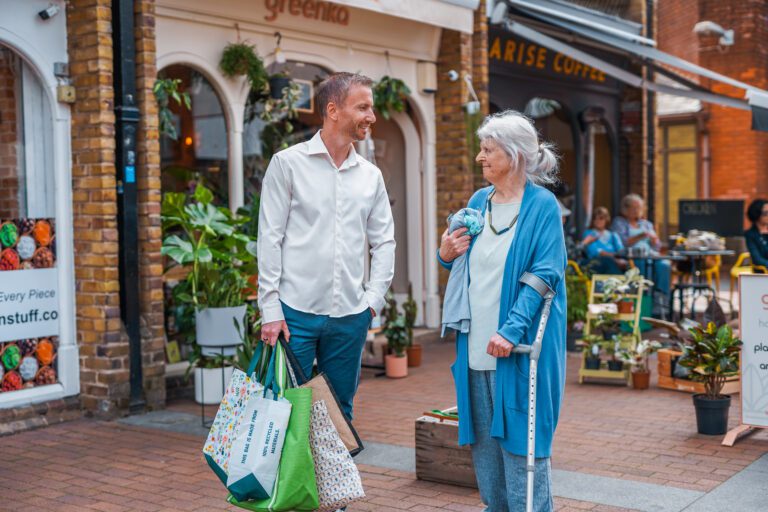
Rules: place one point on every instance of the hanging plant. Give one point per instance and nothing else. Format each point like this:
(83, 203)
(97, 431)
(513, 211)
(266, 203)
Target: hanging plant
(241, 59)
(278, 114)
(390, 95)
(165, 90)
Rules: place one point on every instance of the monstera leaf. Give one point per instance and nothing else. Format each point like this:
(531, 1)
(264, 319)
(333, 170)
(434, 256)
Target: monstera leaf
(183, 252)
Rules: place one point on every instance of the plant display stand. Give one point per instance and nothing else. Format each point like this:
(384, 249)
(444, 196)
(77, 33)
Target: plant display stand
(668, 381)
(439, 458)
(595, 297)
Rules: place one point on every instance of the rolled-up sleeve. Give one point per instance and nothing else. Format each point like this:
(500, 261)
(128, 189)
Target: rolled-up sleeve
(548, 265)
(380, 230)
(273, 219)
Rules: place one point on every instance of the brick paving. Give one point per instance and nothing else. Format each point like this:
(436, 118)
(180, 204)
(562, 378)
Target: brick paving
(644, 436)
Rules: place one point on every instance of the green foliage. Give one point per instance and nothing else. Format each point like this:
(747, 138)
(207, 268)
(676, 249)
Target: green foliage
(576, 291)
(247, 348)
(251, 212)
(607, 324)
(165, 90)
(712, 355)
(240, 59)
(397, 335)
(208, 240)
(390, 95)
(410, 309)
(615, 288)
(638, 355)
(592, 345)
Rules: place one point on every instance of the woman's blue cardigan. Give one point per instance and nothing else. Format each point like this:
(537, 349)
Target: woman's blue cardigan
(539, 248)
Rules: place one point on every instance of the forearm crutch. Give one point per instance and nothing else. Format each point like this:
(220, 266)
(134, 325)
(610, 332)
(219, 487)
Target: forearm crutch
(533, 351)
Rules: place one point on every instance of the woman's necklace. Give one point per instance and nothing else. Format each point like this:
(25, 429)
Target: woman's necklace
(490, 217)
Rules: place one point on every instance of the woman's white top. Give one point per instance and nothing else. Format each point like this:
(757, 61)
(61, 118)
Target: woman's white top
(486, 271)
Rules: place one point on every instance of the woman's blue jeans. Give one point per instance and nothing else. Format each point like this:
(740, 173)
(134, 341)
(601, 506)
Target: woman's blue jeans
(501, 476)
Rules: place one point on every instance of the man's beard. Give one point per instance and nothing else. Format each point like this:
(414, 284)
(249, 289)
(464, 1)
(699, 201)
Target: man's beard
(354, 133)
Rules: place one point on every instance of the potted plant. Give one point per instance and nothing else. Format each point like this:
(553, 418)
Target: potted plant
(712, 356)
(576, 313)
(205, 239)
(396, 332)
(410, 308)
(390, 95)
(617, 287)
(212, 374)
(240, 59)
(607, 324)
(637, 357)
(592, 347)
(613, 350)
(278, 83)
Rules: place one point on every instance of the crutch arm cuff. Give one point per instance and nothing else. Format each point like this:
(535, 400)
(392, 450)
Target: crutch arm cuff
(538, 284)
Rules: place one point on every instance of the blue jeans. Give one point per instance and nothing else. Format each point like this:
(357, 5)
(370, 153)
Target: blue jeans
(662, 273)
(337, 343)
(501, 476)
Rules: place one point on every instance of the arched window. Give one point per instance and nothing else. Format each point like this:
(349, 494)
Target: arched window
(258, 139)
(199, 153)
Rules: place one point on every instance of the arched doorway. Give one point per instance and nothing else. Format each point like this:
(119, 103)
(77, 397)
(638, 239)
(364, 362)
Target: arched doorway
(199, 154)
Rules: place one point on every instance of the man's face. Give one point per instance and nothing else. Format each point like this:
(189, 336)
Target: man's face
(356, 114)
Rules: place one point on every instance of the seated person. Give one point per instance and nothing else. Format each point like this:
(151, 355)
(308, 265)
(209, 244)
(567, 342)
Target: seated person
(638, 233)
(757, 235)
(602, 246)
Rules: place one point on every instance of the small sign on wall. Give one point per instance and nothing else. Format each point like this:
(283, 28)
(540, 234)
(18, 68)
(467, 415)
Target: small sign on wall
(29, 304)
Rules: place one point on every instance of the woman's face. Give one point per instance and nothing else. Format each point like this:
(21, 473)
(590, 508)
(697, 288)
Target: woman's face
(601, 222)
(634, 211)
(763, 220)
(495, 161)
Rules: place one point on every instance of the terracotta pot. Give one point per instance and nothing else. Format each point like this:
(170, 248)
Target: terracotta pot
(641, 380)
(414, 355)
(396, 367)
(625, 306)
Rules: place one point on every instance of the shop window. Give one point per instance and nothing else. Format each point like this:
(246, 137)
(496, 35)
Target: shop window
(27, 223)
(258, 138)
(678, 179)
(199, 154)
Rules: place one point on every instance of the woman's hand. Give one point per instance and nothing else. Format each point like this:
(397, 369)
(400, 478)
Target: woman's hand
(453, 245)
(589, 239)
(499, 347)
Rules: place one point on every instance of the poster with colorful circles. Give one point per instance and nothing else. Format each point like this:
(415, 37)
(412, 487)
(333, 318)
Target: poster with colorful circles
(27, 244)
(28, 363)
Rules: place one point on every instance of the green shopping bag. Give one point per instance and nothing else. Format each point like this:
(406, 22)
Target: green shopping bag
(296, 486)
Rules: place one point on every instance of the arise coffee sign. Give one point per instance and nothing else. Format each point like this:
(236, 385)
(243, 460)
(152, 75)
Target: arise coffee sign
(528, 58)
(311, 9)
(754, 353)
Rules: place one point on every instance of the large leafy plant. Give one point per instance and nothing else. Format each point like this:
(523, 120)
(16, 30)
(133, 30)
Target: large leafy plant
(208, 241)
(712, 355)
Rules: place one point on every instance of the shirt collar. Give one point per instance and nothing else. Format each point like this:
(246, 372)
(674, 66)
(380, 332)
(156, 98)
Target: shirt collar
(316, 146)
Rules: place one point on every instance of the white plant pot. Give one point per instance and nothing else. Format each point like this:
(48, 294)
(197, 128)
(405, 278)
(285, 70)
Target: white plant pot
(215, 328)
(208, 388)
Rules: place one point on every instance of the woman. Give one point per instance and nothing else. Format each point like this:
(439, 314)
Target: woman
(757, 235)
(602, 246)
(638, 233)
(523, 233)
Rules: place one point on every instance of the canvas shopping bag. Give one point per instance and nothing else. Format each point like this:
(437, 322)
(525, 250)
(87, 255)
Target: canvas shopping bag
(296, 487)
(338, 480)
(322, 390)
(247, 436)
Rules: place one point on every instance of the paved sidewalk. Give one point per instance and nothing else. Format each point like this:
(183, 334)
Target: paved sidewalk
(616, 449)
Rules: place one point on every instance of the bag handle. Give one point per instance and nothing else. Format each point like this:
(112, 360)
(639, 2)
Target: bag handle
(269, 381)
(293, 362)
(255, 359)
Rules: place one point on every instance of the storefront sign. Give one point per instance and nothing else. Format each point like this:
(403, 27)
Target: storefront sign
(721, 216)
(508, 51)
(310, 9)
(753, 290)
(29, 304)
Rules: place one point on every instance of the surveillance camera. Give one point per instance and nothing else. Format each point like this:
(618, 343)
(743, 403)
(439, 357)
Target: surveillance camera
(49, 12)
(499, 13)
(453, 75)
(710, 28)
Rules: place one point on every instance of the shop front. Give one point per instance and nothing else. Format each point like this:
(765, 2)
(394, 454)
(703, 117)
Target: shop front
(223, 143)
(38, 349)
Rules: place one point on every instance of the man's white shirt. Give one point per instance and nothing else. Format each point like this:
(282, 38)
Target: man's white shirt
(313, 222)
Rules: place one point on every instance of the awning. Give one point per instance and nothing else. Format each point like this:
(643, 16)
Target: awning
(450, 14)
(622, 37)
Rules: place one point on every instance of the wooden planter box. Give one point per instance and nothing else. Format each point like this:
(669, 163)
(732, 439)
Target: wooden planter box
(667, 381)
(439, 458)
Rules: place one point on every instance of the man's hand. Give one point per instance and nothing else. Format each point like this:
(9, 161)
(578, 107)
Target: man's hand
(270, 332)
(499, 347)
(454, 244)
(373, 312)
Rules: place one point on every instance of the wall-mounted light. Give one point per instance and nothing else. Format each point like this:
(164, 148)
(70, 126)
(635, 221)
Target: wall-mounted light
(187, 141)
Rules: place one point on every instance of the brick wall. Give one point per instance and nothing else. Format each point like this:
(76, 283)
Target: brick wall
(149, 198)
(480, 75)
(9, 180)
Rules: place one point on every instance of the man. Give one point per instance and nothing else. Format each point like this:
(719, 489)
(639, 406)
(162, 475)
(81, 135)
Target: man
(319, 202)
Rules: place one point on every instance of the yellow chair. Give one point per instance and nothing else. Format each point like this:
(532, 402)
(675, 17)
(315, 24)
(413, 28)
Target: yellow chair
(743, 265)
(713, 273)
(580, 273)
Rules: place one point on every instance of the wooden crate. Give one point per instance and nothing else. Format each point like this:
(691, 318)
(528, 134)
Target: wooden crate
(439, 458)
(667, 381)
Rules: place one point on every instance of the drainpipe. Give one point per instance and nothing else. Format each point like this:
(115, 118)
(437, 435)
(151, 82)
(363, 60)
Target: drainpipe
(650, 115)
(126, 127)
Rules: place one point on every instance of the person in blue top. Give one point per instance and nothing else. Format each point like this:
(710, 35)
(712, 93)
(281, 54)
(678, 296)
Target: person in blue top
(523, 233)
(603, 246)
(757, 235)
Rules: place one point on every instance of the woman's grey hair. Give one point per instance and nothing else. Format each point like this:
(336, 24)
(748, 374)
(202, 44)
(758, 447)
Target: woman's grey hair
(516, 135)
(627, 200)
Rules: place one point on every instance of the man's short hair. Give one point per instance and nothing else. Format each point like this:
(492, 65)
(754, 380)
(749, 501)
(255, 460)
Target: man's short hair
(336, 88)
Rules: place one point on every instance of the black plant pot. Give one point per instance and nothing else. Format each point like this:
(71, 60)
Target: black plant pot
(276, 86)
(615, 366)
(608, 334)
(570, 341)
(592, 363)
(711, 415)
